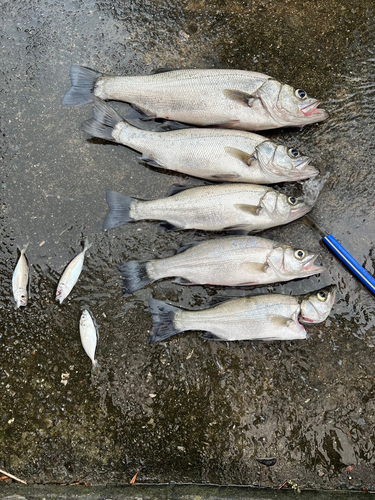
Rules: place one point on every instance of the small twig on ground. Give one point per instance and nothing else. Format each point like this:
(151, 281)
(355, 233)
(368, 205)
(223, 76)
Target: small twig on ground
(283, 485)
(12, 477)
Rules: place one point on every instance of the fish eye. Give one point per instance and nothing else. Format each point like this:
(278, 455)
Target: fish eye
(292, 200)
(322, 296)
(293, 153)
(301, 94)
(299, 254)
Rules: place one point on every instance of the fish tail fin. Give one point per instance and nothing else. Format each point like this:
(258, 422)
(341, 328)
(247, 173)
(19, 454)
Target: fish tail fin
(163, 325)
(119, 210)
(86, 244)
(104, 121)
(96, 367)
(135, 276)
(24, 248)
(82, 89)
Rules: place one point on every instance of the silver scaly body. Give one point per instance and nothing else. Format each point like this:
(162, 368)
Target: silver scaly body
(20, 280)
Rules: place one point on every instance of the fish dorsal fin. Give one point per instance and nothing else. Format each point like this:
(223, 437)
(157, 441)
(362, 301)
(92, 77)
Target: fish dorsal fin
(240, 97)
(157, 71)
(175, 189)
(249, 209)
(190, 245)
(254, 267)
(240, 155)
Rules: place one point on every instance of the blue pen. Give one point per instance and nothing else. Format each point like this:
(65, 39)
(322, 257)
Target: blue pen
(345, 257)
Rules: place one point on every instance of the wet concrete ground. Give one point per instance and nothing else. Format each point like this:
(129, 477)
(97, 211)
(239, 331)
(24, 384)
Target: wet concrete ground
(185, 410)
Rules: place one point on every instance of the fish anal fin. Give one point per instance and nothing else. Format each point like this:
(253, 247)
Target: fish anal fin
(281, 321)
(240, 155)
(239, 229)
(149, 161)
(249, 209)
(167, 226)
(240, 97)
(211, 337)
(183, 281)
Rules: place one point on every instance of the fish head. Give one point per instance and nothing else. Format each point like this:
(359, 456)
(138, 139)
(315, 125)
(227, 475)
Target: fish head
(293, 263)
(316, 306)
(61, 292)
(85, 317)
(276, 160)
(281, 208)
(288, 106)
(20, 296)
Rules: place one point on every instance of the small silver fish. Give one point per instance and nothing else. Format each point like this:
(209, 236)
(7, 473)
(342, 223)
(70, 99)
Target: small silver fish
(213, 154)
(230, 261)
(246, 207)
(89, 337)
(262, 317)
(227, 98)
(71, 274)
(20, 279)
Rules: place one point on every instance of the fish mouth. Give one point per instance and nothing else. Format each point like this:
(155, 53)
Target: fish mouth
(312, 111)
(304, 166)
(301, 211)
(312, 268)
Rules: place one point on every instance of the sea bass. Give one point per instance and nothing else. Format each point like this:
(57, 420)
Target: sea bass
(71, 274)
(263, 317)
(230, 261)
(245, 207)
(89, 337)
(20, 279)
(214, 154)
(206, 97)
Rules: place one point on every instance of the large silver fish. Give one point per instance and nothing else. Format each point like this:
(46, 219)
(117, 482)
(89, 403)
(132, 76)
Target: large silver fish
(71, 274)
(20, 279)
(245, 207)
(222, 97)
(214, 154)
(263, 317)
(231, 261)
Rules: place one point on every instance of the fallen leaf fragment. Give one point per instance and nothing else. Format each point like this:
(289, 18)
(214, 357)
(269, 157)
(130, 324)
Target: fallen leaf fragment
(134, 478)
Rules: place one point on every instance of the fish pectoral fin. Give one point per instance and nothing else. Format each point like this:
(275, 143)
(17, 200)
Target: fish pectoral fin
(149, 161)
(239, 229)
(281, 321)
(249, 209)
(240, 97)
(254, 268)
(240, 155)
